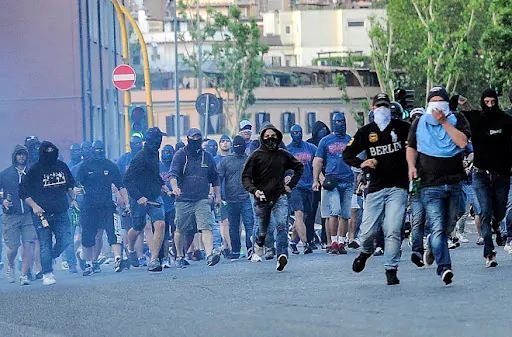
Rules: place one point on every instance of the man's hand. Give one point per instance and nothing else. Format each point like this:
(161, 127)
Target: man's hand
(287, 180)
(258, 194)
(142, 201)
(74, 205)
(120, 203)
(37, 210)
(439, 116)
(316, 186)
(287, 189)
(413, 173)
(371, 163)
(218, 201)
(127, 209)
(77, 190)
(7, 204)
(176, 191)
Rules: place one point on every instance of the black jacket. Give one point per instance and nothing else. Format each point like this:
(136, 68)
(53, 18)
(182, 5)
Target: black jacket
(491, 131)
(10, 183)
(97, 177)
(265, 170)
(48, 181)
(315, 139)
(142, 179)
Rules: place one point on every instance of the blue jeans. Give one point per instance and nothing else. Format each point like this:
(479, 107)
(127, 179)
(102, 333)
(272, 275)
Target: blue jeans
(417, 223)
(60, 227)
(240, 211)
(442, 209)
(491, 191)
(269, 240)
(278, 211)
(386, 207)
(508, 217)
(217, 237)
(69, 254)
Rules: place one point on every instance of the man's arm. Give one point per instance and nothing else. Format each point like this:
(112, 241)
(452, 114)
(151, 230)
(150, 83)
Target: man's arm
(131, 176)
(247, 181)
(298, 169)
(412, 155)
(354, 147)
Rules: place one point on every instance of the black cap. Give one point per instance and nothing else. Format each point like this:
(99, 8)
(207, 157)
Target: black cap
(154, 132)
(382, 99)
(438, 91)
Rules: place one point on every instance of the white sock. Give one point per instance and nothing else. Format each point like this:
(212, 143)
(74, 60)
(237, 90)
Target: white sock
(89, 263)
(334, 239)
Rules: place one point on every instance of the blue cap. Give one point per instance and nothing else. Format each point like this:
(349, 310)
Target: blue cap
(224, 137)
(193, 132)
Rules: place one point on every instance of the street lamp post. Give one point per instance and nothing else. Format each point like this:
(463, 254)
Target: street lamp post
(176, 75)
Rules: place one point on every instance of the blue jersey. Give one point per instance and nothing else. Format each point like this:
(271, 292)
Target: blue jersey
(331, 149)
(305, 153)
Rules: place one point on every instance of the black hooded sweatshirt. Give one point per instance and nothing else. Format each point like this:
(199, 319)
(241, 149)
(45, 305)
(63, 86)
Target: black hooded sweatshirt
(47, 181)
(315, 140)
(265, 169)
(142, 179)
(491, 131)
(10, 183)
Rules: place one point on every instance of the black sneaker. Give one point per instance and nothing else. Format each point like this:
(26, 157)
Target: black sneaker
(226, 253)
(391, 276)
(313, 246)
(134, 260)
(282, 261)
(353, 245)
(154, 266)
(96, 268)
(180, 263)
(39, 276)
(500, 241)
(269, 254)
(341, 249)
(185, 262)
(87, 270)
(307, 249)
(118, 265)
(294, 249)
(447, 276)
(213, 259)
(249, 254)
(417, 259)
(360, 262)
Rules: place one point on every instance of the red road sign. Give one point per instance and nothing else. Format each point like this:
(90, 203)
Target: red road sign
(123, 77)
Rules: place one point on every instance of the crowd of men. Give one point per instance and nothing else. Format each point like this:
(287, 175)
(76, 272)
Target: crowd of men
(259, 198)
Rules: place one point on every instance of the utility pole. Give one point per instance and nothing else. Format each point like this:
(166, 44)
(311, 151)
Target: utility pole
(176, 75)
(199, 53)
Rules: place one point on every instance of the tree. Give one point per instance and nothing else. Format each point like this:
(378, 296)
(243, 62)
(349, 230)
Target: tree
(496, 41)
(238, 55)
(431, 42)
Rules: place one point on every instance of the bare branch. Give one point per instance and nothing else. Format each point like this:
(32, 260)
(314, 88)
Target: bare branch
(419, 13)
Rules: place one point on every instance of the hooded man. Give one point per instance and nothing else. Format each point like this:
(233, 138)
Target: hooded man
(436, 144)
(75, 152)
(384, 142)
(86, 150)
(46, 188)
(124, 161)
(256, 143)
(491, 131)
(145, 186)
(97, 175)
(338, 185)
(32, 143)
(238, 203)
(193, 170)
(264, 177)
(16, 218)
(212, 147)
(302, 196)
(319, 131)
(170, 212)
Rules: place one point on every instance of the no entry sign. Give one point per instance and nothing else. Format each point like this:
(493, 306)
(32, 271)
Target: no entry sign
(123, 77)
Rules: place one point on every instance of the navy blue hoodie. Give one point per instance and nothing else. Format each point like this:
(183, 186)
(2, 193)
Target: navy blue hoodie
(10, 179)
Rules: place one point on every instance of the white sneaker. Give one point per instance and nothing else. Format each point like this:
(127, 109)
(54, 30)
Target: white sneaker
(258, 250)
(255, 258)
(166, 263)
(451, 245)
(48, 279)
(490, 261)
(462, 237)
(9, 274)
(65, 265)
(507, 247)
(24, 281)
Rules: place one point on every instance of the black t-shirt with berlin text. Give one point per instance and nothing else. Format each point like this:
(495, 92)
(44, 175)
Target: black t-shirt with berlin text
(437, 171)
(388, 148)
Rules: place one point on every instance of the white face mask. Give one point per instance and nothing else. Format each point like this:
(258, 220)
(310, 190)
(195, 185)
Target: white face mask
(443, 106)
(382, 117)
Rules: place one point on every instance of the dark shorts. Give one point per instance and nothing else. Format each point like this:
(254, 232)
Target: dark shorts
(223, 213)
(301, 200)
(94, 219)
(140, 212)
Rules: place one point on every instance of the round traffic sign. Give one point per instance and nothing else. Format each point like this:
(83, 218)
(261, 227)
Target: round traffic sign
(213, 104)
(124, 77)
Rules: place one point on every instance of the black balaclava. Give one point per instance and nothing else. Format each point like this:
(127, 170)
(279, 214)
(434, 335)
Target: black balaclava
(489, 93)
(76, 153)
(98, 150)
(179, 146)
(212, 147)
(86, 149)
(239, 146)
(194, 145)
(135, 144)
(48, 157)
(167, 154)
(296, 134)
(154, 139)
(272, 143)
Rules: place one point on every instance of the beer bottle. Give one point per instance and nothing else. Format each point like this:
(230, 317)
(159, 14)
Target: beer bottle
(44, 222)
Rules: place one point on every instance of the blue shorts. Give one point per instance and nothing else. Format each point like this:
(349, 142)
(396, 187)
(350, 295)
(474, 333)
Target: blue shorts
(223, 212)
(139, 213)
(338, 201)
(301, 200)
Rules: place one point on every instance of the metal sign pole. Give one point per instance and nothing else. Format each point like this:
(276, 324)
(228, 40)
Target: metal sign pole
(206, 116)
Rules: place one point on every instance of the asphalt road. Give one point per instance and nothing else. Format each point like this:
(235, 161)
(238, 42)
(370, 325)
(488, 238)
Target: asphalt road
(317, 295)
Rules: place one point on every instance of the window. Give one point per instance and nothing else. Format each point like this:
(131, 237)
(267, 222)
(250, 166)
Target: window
(170, 125)
(311, 117)
(288, 30)
(287, 63)
(356, 23)
(287, 121)
(261, 118)
(276, 61)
